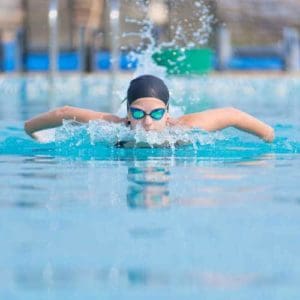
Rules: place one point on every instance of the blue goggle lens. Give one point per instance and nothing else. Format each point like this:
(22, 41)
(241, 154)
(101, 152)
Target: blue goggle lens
(155, 114)
(137, 114)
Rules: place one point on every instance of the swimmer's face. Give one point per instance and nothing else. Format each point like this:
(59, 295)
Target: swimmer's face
(148, 105)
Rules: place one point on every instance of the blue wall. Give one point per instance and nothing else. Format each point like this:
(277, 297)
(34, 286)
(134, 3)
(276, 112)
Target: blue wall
(69, 61)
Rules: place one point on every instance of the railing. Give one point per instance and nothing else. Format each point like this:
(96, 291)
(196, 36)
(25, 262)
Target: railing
(53, 36)
(287, 51)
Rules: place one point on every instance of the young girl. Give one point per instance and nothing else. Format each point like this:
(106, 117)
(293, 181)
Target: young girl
(147, 106)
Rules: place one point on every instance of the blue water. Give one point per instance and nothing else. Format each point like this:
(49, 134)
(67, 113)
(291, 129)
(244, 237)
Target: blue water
(213, 219)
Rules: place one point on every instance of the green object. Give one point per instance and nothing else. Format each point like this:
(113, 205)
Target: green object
(190, 61)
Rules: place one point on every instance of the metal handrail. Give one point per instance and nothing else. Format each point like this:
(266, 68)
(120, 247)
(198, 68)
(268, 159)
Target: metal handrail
(53, 36)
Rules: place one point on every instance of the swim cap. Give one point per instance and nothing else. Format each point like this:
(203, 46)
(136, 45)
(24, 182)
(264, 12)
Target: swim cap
(147, 86)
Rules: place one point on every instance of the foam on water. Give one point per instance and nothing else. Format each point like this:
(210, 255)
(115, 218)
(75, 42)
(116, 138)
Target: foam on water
(97, 140)
(110, 134)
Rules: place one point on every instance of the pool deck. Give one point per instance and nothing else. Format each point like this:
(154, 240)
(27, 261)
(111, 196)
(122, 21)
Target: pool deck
(231, 73)
(256, 73)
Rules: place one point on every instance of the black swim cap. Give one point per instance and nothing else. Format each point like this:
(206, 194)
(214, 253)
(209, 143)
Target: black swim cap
(147, 86)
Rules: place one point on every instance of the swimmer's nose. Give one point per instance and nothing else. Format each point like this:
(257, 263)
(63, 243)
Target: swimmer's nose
(147, 122)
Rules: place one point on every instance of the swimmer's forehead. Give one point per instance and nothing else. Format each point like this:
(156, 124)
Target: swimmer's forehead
(146, 86)
(148, 102)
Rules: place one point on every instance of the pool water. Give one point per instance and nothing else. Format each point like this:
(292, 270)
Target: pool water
(217, 218)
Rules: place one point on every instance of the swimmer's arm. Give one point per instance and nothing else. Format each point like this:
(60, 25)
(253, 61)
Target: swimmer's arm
(217, 119)
(55, 118)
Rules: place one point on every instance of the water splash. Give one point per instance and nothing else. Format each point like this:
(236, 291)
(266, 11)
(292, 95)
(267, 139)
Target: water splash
(110, 134)
(97, 140)
(187, 32)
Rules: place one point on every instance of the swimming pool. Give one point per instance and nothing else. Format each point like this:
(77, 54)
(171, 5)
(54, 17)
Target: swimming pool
(218, 219)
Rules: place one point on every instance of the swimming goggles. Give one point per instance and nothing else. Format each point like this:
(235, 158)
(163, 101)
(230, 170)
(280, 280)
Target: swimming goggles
(155, 114)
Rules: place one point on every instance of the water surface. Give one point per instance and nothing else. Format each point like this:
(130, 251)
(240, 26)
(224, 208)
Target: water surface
(219, 219)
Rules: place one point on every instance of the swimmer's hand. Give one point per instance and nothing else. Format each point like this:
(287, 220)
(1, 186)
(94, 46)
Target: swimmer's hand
(269, 135)
(31, 134)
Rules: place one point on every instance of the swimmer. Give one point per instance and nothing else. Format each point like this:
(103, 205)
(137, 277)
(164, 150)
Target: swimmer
(148, 107)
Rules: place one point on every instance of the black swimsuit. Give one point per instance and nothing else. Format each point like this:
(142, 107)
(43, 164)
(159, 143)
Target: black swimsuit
(133, 144)
(121, 144)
